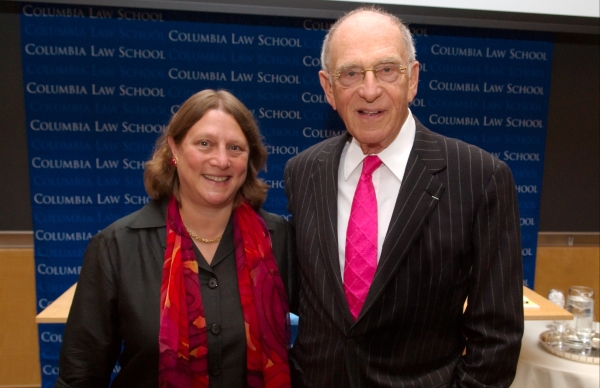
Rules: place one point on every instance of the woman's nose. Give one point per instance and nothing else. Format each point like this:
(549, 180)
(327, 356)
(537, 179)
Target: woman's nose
(220, 158)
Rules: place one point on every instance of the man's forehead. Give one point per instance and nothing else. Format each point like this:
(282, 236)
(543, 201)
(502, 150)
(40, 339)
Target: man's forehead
(373, 39)
(366, 21)
(365, 26)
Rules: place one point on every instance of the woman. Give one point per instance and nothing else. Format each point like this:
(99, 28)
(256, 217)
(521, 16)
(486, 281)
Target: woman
(187, 292)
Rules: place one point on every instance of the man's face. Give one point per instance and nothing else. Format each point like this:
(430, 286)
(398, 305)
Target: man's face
(373, 111)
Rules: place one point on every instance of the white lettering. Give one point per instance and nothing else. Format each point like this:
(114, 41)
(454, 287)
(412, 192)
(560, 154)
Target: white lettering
(241, 39)
(125, 52)
(143, 128)
(492, 122)
(528, 55)
(494, 53)
(321, 133)
(436, 49)
(282, 150)
(311, 61)
(276, 41)
(133, 91)
(176, 36)
(525, 89)
(278, 78)
(50, 337)
(102, 52)
(241, 77)
(41, 199)
(524, 123)
(314, 98)
(133, 164)
(446, 120)
(32, 49)
(521, 156)
(453, 86)
(35, 88)
(279, 114)
(136, 199)
(44, 269)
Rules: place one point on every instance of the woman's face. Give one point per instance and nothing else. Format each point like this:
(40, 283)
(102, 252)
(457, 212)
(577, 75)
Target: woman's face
(212, 161)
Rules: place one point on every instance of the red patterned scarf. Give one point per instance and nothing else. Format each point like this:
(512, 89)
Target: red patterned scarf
(182, 338)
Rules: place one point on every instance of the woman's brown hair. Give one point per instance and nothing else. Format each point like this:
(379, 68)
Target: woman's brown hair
(160, 176)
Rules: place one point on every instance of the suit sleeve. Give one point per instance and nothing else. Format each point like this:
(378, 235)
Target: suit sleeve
(493, 320)
(294, 274)
(91, 342)
(284, 251)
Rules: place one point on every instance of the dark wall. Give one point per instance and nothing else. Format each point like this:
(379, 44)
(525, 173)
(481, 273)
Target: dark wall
(570, 190)
(570, 194)
(15, 206)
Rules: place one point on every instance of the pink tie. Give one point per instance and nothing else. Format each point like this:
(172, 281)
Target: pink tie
(361, 239)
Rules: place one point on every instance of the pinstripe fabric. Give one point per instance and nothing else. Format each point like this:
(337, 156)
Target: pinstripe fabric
(454, 233)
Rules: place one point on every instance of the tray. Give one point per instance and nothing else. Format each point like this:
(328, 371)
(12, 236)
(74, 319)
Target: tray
(573, 349)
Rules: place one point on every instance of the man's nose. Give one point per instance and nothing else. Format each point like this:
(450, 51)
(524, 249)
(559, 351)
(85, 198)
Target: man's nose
(371, 88)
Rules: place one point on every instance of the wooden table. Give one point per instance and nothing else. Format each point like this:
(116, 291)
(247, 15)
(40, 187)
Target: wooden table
(548, 311)
(58, 311)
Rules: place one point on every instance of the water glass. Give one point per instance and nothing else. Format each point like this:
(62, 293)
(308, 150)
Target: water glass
(580, 303)
(557, 297)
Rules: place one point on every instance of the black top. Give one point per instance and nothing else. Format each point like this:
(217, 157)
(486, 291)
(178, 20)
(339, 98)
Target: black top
(115, 311)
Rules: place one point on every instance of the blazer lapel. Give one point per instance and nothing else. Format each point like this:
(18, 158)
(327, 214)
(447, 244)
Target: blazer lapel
(419, 195)
(325, 186)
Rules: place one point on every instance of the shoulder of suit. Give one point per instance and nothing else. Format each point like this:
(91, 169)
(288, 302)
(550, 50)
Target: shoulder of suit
(453, 147)
(272, 218)
(274, 222)
(326, 145)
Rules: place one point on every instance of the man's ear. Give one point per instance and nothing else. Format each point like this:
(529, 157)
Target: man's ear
(413, 81)
(327, 88)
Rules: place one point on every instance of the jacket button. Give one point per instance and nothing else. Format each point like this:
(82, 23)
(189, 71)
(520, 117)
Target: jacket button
(215, 329)
(351, 343)
(212, 283)
(215, 371)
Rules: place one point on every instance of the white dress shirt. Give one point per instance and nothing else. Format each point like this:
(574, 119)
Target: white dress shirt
(386, 181)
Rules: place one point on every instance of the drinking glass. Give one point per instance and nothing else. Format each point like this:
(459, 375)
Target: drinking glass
(580, 303)
(558, 298)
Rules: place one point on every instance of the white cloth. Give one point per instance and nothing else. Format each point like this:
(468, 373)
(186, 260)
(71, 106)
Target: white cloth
(386, 180)
(538, 368)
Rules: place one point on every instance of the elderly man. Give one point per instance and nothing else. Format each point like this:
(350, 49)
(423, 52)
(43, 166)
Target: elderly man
(396, 226)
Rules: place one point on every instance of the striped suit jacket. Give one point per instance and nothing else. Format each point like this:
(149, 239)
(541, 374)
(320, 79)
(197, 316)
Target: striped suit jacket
(454, 233)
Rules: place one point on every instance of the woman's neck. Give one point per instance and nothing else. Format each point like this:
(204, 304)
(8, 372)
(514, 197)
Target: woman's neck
(206, 222)
(206, 225)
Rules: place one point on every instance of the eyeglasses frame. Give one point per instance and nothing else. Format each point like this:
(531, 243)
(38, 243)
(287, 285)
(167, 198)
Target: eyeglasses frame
(401, 68)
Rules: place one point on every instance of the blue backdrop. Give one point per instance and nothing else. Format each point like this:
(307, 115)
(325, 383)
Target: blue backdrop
(101, 84)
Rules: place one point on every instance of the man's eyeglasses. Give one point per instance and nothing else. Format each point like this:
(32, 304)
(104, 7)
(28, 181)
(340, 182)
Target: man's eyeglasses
(385, 73)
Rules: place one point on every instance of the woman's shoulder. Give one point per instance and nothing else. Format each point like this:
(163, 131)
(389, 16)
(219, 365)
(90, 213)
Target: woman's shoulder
(151, 215)
(273, 221)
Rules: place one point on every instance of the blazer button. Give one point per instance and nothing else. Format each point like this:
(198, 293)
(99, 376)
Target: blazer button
(215, 371)
(215, 329)
(351, 343)
(212, 283)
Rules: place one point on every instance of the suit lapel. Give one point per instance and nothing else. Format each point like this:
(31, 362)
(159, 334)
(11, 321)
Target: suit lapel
(416, 200)
(325, 186)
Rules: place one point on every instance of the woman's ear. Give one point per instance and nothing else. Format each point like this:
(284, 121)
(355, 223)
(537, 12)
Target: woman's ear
(172, 145)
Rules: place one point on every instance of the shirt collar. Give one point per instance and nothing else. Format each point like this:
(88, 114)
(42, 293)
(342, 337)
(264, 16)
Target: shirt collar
(394, 156)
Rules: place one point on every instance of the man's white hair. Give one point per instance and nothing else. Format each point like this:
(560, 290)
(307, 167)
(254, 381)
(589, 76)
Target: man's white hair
(409, 43)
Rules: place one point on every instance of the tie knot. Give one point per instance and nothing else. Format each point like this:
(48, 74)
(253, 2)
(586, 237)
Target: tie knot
(370, 164)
